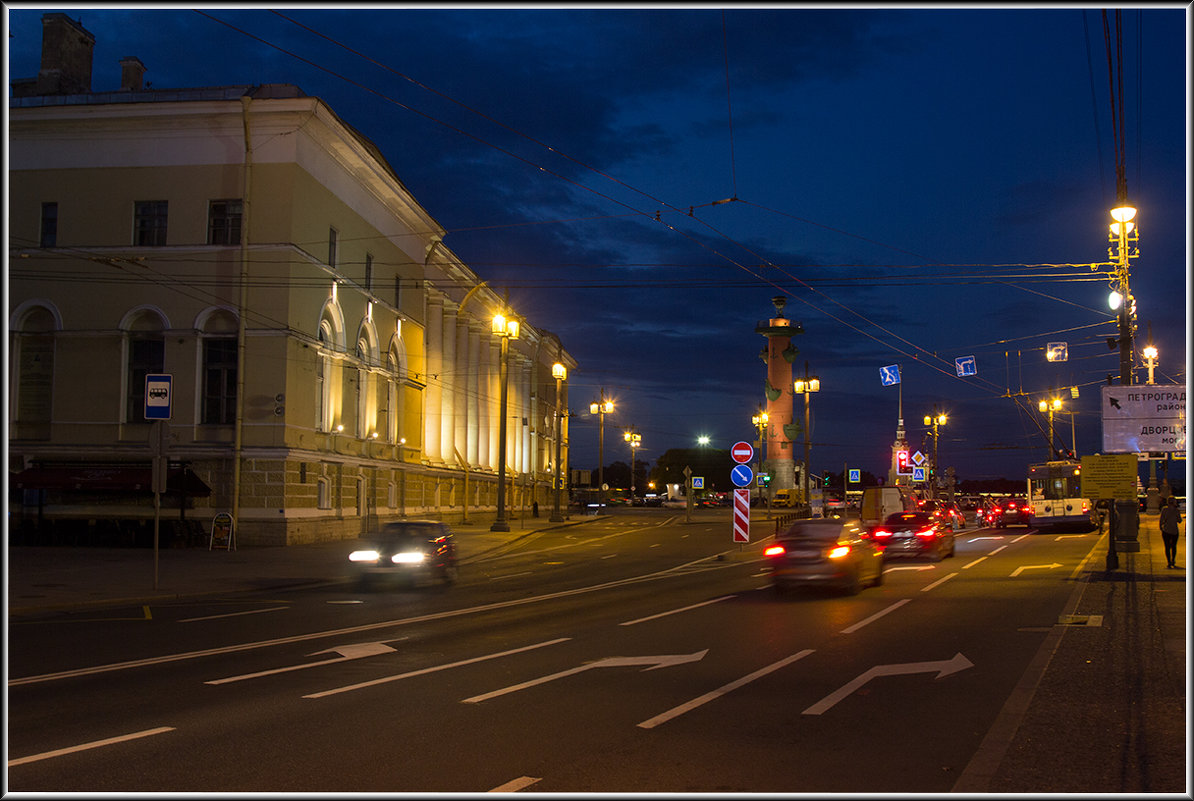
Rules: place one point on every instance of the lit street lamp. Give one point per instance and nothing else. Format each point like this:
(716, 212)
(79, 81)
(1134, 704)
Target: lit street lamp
(760, 422)
(1152, 493)
(601, 408)
(1052, 405)
(559, 372)
(936, 419)
(804, 386)
(507, 329)
(636, 440)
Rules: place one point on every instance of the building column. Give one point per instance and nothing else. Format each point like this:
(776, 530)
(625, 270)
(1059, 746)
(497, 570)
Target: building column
(448, 380)
(473, 392)
(433, 396)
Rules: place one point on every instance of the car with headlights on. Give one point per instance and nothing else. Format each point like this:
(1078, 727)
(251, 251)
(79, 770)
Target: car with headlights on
(408, 552)
(915, 534)
(825, 552)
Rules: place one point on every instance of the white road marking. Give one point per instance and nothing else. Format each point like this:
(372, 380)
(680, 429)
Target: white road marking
(1022, 568)
(942, 668)
(875, 616)
(677, 711)
(972, 564)
(676, 611)
(85, 746)
(997, 550)
(937, 582)
(511, 575)
(434, 669)
(157, 660)
(515, 785)
(346, 652)
(233, 614)
(654, 662)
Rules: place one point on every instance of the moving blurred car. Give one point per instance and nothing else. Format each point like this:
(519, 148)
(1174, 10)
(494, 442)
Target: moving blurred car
(1014, 511)
(915, 534)
(987, 513)
(954, 515)
(409, 552)
(832, 553)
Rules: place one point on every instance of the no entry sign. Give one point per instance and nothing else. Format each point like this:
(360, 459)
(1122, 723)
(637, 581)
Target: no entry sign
(742, 452)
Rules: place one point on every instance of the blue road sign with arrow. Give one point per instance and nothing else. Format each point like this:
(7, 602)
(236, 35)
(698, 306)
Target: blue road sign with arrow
(890, 374)
(742, 475)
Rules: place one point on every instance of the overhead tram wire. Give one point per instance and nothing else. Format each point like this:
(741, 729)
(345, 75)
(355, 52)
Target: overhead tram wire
(541, 168)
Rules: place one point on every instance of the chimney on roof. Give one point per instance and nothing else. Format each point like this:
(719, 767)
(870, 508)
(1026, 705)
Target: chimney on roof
(132, 74)
(66, 50)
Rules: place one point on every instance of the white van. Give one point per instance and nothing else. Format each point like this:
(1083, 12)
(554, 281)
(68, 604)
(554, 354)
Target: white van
(879, 502)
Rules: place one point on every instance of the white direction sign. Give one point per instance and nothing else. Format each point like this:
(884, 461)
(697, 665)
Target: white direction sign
(651, 662)
(942, 668)
(966, 366)
(1143, 418)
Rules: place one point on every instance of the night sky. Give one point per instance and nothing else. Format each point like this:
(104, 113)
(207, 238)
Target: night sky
(920, 185)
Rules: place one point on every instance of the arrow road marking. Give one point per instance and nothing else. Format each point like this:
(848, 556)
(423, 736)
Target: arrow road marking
(942, 668)
(976, 539)
(654, 663)
(346, 652)
(1021, 568)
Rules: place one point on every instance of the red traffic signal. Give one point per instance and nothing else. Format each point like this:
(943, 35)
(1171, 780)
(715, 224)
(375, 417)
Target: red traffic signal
(903, 463)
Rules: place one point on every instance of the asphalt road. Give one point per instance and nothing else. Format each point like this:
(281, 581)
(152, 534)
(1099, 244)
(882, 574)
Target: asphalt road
(616, 656)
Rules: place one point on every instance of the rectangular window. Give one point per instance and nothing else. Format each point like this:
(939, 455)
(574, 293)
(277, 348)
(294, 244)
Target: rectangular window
(332, 236)
(146, 356)
(49, 225)
(223, 222)
(219, 381)
(368, 272)
(397, 292)
(149, 222)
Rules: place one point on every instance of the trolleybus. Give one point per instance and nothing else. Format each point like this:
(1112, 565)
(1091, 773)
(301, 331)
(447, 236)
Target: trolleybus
(1055, 492)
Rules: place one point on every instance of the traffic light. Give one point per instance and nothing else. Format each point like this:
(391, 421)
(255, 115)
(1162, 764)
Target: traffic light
(826, 484)
(764, 479)
(903, 464)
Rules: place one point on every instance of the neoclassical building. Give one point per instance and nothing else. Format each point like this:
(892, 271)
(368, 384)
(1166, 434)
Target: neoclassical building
(331, 362)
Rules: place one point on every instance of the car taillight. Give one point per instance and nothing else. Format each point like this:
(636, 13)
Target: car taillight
(839, 552)
(881, 532)
(775, 550)
(928, 532)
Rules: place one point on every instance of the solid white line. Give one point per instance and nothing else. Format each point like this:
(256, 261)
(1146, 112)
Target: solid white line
(233, 614)
(434, 669)
(85, 746)
(609, 556)
(972, 564)
(1022, 536)
(675, 611)
(676, 712)
(511, 575)
(515, 785)
(875, 616)
(938, 581)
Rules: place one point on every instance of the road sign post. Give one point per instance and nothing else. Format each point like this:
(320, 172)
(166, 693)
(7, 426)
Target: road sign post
(741, 515)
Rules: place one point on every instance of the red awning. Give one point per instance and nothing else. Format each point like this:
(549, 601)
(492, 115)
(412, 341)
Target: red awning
(107, 479)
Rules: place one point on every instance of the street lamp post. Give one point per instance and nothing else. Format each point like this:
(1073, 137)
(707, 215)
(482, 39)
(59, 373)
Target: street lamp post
(1123, 234)
(559, 372)
(601, 408)
(636, 440)
(936, 420)
(507, 329)
(1152, 494)
(1052, 405)
(805, 386)
(760, 423)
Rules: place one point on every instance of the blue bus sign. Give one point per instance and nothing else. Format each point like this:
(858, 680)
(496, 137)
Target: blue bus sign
(157, 397)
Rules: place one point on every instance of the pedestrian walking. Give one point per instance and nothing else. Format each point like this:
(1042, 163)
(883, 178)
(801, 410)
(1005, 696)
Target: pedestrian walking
(1171, 518)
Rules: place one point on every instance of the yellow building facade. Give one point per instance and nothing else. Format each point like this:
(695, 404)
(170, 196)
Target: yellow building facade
(332, 363)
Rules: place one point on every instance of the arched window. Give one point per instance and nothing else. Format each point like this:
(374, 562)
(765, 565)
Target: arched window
(323, 494)
(146, 355)
(331, 340)
(391, 398)
(32, 398)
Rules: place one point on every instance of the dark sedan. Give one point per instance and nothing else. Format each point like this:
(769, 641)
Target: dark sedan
(915, 534)
(1014, 511)
(409, 552)
(824, 552)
